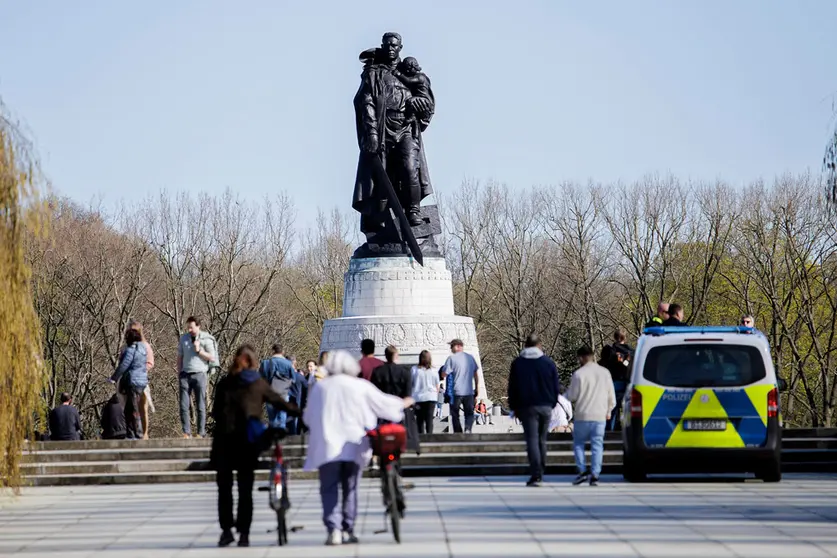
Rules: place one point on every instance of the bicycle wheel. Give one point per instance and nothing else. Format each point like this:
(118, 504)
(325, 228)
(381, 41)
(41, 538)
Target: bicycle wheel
(281, 527)
(394, 514)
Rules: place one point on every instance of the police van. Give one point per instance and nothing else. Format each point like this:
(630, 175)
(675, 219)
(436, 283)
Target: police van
(701, 400)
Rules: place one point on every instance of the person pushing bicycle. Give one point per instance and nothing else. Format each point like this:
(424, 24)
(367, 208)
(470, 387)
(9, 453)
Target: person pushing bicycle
(341, 409)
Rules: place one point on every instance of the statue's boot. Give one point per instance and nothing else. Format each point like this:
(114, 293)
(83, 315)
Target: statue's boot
(414, 217)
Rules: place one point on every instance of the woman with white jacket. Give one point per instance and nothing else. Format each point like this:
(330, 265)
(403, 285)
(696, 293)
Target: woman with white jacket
(341, 409)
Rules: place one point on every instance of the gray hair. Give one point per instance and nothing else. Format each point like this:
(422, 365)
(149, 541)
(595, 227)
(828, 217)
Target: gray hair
(341, 362)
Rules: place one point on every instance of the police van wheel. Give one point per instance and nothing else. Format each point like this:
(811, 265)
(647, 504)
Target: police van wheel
(631, 472)
(771, 472)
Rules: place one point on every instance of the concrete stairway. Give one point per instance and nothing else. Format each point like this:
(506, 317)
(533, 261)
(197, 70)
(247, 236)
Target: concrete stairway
(176, 460)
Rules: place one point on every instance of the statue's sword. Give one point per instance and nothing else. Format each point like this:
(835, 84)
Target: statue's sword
(381, 179)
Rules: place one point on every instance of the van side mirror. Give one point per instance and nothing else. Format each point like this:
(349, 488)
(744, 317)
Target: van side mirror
(781, 384)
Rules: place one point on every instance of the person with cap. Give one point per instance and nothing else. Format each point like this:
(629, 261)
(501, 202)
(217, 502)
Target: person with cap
(463, 372)
(341, 409)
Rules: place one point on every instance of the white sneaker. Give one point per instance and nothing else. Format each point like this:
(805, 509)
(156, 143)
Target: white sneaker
(335, 538)
(349, 538)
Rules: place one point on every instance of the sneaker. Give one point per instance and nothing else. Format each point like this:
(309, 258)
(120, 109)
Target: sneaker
(594, 481)
(335, 538)
(244, 540)
(226, 539)
(581, 478)
(187, 436)
(349, 538)
(534, 481)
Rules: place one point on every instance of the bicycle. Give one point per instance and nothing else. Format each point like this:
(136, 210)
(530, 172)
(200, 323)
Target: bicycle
(388, 441)
(278, 488)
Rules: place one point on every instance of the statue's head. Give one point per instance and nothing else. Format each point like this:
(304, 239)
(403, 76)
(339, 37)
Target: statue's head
(410, 66)
(391, 46)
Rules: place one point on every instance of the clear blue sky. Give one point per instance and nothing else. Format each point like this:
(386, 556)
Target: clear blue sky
(125, 98)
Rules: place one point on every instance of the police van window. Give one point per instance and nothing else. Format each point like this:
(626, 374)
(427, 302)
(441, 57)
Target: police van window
(704, 365)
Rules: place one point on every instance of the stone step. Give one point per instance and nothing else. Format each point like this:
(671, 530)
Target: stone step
(789, 434)
(490, 457)
(135, 453)
(458, 461)
(132, 452)
(413, 471)
(408, 460)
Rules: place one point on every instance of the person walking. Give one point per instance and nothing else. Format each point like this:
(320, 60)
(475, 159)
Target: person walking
(279, 373)
(146, 404)
(196, 352)
(113, 420)
(464, 372)
(395, 379)
(533, 393)
(64, 421)
(591, 390)
(342, 407)
(747, 320)
(238, 439)
(131, 378)
(368, 362)
(425, 392)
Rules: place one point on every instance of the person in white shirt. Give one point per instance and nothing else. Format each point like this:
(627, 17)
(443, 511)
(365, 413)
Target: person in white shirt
(591, 389)
(562, 414)
(341, 409)
(425, 392)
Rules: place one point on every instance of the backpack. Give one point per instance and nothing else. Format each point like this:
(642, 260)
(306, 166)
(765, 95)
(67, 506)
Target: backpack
(620, 361)
(215, 363)
(279, 382)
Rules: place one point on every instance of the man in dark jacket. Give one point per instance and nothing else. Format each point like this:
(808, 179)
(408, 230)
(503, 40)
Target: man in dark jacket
(660, 317)
(618, 362)
(113, 420)
(675, 313)
(64, 423)
(397, 380)
(533, 393)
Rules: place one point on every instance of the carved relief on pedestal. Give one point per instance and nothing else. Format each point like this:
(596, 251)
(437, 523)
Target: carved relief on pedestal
(415, 335)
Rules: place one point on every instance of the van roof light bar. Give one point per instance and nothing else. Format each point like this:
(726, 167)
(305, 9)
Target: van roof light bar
(663, 330)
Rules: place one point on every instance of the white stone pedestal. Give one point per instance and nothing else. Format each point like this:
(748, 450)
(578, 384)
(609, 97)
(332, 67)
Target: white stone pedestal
(395, 301)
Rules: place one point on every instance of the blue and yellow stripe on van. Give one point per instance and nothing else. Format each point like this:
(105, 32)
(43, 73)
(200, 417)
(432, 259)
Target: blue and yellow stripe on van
(664, 410)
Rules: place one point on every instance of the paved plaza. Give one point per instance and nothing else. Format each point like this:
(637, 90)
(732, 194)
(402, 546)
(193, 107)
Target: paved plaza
(460, 517)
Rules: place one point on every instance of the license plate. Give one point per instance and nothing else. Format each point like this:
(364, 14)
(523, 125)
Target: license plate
(705, 425)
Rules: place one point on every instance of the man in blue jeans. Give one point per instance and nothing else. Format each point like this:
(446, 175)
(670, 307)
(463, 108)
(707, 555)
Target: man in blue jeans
(279, 372)
(591, 391)
(533, 393)
(463, 374)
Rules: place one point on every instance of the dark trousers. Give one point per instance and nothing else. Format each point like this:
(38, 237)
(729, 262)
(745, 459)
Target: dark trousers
(224, 479)
(615, 422)
(468, 402)
(535, 429)
(133, 422)
(424, 416)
